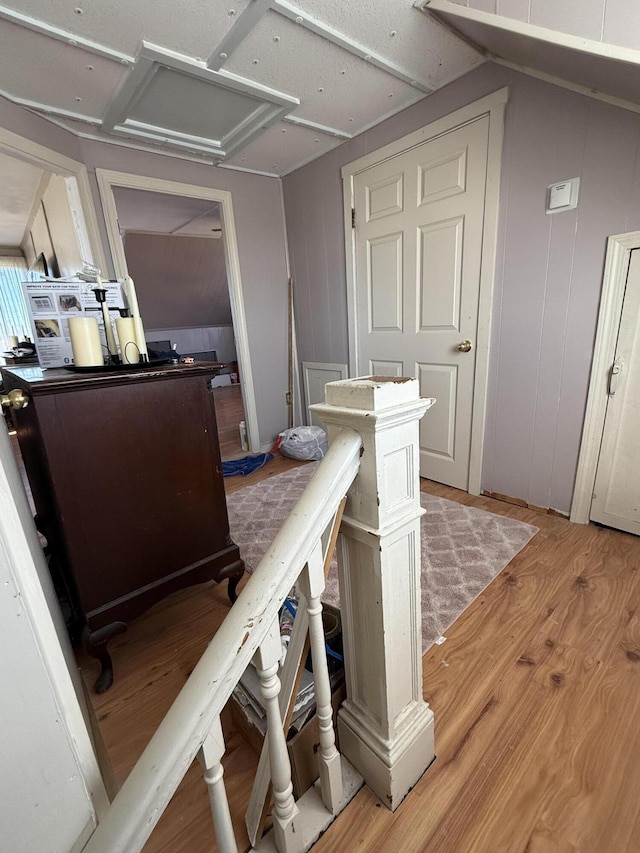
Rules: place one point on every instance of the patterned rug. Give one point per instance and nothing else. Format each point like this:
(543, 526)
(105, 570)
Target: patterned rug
(463, 549)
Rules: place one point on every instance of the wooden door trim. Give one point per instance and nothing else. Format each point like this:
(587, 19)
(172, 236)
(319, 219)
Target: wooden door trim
(493, 106)
(619, 248)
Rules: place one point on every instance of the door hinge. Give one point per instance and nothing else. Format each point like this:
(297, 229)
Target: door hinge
(353, 217)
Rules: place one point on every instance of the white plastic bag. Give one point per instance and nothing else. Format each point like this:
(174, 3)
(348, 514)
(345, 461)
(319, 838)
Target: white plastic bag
(304, 442)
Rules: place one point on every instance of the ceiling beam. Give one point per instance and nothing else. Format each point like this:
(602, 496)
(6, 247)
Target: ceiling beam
(251, 16)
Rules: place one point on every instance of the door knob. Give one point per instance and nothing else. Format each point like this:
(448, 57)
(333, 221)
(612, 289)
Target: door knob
(464, 346)
(15, 399)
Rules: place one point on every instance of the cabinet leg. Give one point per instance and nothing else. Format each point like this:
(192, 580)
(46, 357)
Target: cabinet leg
(95, 643)
(231, 589)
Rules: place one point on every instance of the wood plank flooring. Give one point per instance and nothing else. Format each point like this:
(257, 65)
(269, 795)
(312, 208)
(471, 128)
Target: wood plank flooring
(536, 693)
(229, 413)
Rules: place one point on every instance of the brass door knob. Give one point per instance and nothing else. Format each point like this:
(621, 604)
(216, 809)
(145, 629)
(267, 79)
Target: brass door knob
(15, 399)
(464, 346)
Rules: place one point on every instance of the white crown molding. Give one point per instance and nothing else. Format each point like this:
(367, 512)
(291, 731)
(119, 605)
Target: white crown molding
(249, 171)
(65, 36)
(47, 110)
(320, 128)
(595, 94)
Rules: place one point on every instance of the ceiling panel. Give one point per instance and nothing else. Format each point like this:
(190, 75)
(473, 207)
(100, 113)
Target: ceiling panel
(192, 27)
(188, 105)
(335, 88)
(283, 148)
(40, 69)
(432, 54)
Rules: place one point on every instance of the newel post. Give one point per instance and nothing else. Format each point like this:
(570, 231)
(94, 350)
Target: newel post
(385, 726)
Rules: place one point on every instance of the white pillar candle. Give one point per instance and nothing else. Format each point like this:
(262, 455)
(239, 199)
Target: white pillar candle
(13, 341)
(85, 342)
(129, 352)
(132, 302)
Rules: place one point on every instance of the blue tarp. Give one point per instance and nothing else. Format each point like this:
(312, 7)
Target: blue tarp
(246, 465)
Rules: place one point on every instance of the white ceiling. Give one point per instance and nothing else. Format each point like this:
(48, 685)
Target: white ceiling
(20, 183)
(160, 213)
(264, 85)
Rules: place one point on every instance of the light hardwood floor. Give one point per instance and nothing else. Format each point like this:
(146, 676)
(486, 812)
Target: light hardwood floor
(536, 693)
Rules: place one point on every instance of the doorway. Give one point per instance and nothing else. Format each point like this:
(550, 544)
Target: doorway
(606, 488)
(421, 221)
(175, 252)
(110, 182)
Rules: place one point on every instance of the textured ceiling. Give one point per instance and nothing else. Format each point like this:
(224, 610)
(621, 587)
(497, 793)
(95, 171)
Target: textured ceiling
(161, 213)
(263, 85)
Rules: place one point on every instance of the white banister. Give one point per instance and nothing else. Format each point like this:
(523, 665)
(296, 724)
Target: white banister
(210, 757)
(386, 728)
(170, 752)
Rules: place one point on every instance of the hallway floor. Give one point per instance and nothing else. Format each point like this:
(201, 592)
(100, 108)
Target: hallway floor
(536, 694)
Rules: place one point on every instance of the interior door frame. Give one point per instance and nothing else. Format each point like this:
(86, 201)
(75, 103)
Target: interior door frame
(619, 248)
(108, 180)
(493, 106)
(21, 554)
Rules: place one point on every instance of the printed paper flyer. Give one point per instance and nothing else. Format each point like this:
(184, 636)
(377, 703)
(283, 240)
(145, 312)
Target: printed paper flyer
(51, 303)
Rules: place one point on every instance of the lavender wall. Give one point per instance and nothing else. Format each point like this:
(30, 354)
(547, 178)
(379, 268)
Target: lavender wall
(549, 268)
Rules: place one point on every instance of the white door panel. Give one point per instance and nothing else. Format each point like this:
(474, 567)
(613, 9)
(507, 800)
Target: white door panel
(616, 499)
(418, 248)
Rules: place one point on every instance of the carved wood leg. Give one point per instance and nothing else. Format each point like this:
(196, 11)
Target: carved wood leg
(232, 587)
(95, 643)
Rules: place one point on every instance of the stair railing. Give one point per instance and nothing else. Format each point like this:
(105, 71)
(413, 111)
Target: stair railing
(192, 729)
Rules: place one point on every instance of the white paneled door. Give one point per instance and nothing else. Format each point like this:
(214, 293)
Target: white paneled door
(616, 500)
(418, 246)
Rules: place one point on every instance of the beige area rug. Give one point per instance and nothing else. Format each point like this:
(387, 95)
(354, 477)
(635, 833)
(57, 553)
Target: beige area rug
(463, 549)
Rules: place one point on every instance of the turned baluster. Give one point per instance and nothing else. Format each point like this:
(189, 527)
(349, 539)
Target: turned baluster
(210, 756)
(311, 584)
(285, 811)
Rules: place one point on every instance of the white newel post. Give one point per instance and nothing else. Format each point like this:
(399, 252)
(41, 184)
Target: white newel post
(385, 726)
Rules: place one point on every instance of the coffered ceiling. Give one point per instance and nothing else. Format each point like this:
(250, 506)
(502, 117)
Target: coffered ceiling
(264, 85)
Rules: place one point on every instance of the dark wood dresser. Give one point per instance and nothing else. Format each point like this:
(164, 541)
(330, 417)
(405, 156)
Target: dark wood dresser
(127, 482)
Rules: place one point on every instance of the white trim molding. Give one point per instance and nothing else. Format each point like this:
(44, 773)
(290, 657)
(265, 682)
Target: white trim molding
(493, 106)
(107, 180)
(619, 248)
(78, 188)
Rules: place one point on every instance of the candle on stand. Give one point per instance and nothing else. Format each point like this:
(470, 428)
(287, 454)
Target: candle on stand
(126, 329)
(85, 342)
(101, 296)
(132, 302)
(13, 341)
